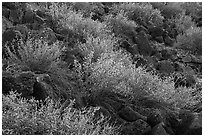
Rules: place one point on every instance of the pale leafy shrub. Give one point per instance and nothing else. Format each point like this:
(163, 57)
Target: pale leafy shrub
(35, 55)
(193, 9)
(120, 25)
(171, 9)
(30, 117)
(141, 13)
(115, 72)
(88, 8)
(95, 47)
(191, 40)
(75, 21)
(183, 23)
(183, 97)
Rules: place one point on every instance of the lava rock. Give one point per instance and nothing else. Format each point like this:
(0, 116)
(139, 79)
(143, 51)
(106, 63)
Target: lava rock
(42, 88)
(159, 129)
(139, 127)
(144, 44)
(130, 115)
(154, 118)
(22, 83)
(191, 123)
(5, 12)
(165, 67)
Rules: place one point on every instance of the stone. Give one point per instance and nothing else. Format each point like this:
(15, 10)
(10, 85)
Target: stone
(154, 118)
(166, 67)
(28, 17)
(186, 59)
(159, 39)
(22, 83)
(169, 54)
(156, 31)
(159, 129)
(9, 5)
(116, 105)
(144, 44)
(191, 123)
(130, 115)
(5, 12)
(139, 127)
(16, 16)
(6, 24)
(168, 41)
(42, 88)
(9, 35)
(141, 28)
(195, 127)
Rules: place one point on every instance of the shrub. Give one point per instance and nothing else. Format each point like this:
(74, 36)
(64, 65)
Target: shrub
(95, 47)
(30, 117)
(171, 9)
(141, 13)
(190, 41)
(35, 55)
(75, 21)
(88, 8)
(183, 23)
(115, 72)
(193, 9)
(121, 27)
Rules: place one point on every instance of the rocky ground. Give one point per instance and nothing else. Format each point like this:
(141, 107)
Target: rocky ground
(150, 47)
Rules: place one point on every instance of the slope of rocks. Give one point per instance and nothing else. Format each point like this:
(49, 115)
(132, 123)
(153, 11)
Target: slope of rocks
(151, 48)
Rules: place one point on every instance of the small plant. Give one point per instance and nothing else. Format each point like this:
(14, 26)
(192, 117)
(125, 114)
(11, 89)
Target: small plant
(184, 22)
(75, 21)
(141, 13)
(190, 41)
(35, 55)
(31, 117)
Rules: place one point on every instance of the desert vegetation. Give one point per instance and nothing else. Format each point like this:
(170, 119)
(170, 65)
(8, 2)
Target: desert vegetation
(103, 68)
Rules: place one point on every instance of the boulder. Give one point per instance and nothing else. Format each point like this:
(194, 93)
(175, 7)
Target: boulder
(187, 59)
(128, 114)
(28, 17)
(168, 41)
(195, 127)
(191, 123)
(42, 87)
(156, 31)
(10, 34)
(10, 5)
(131, 48)
(22, 83)
(5, 12)
(139, 127)
(159, 39)
(16, 16)
(165, 67)
(154, 118)
(159, 130)
(144, 44)
(169, 53)
(141, 28)
(6, 24)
